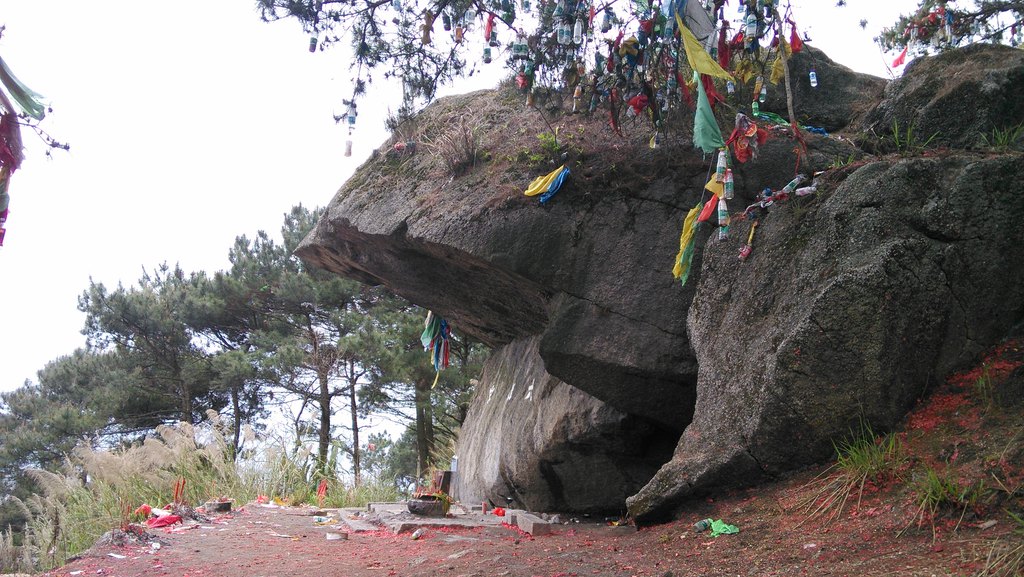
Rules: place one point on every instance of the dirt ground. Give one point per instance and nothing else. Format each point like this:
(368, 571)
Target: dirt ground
(260, 542)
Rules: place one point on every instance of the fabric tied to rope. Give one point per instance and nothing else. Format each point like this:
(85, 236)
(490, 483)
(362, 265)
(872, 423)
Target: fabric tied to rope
(29, 101)
(699, 59)
(435, 339)
(709, 209)
(681, 270)
(707, 136)
(746, 137)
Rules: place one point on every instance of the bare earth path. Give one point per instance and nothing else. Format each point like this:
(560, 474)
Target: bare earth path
(265, 542)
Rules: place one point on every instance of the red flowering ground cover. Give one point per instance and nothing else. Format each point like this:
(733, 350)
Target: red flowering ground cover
(956, 433)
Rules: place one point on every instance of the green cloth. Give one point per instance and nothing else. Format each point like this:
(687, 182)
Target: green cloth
(719, 527)
(431, 328)
(29, 101)
(706, 134)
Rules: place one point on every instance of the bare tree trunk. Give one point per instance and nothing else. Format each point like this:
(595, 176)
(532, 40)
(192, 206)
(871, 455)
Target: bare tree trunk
(324, 446)
(424, 427)
(353, 406)
(236, 425)
(785, 69)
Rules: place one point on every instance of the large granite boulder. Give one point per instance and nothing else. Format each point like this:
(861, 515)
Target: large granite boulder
(840, 100)
(533, 442)
(589, 272)
(852, 304)
(956, 98)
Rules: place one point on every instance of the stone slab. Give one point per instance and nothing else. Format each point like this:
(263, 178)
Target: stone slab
(532, 524)
(349, 518)
(392, 507)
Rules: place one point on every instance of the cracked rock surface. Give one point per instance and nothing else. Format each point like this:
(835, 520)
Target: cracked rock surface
(854, 302)
(851, 306)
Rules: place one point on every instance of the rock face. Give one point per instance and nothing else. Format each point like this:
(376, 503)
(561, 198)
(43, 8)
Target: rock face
(957, 97)
(850, 306)
(854, 301)
(840, 100)
(533, 442)
(589, 273)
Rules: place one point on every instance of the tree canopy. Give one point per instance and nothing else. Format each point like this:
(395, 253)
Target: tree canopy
(264, 334)
(625, 56)
(938, 25)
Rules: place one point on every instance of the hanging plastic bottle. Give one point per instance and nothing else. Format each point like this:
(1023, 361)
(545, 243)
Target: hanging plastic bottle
(814, 78)
(458, 33)
(520, 50)
(564, 34)
(750, 30)
(487, 54)
(508, 11)
(607, 20)
(723, 163)
(313, 41)
(729, 184)
(577, 98)
(348, 147)
(559, 9)
(755, 108)
(758, 84)
(730, 87)
(524, 5)
(396, 4)
(350, 116)
(446, 21)
(577, 32)
(671, 83)
(761, 96)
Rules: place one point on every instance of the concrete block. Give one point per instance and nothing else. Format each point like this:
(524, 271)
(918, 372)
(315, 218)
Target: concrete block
(532, 524)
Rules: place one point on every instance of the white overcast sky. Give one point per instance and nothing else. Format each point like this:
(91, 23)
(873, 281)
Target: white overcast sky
(190, 123)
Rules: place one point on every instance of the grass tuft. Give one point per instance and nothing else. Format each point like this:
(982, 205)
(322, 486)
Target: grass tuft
(861, 458)
(1004, 139)
(906, 140)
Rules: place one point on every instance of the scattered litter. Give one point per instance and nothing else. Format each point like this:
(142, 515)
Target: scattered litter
(810, 545)
(116, 556)
(719, 527)
(987, 524)
(460, 554)
(79, 572)
(162, 521)
(703, 525)
(282, 535)
(417, 534)
(154, 546)
(337, 536)
(221, 505)
(181, 529)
